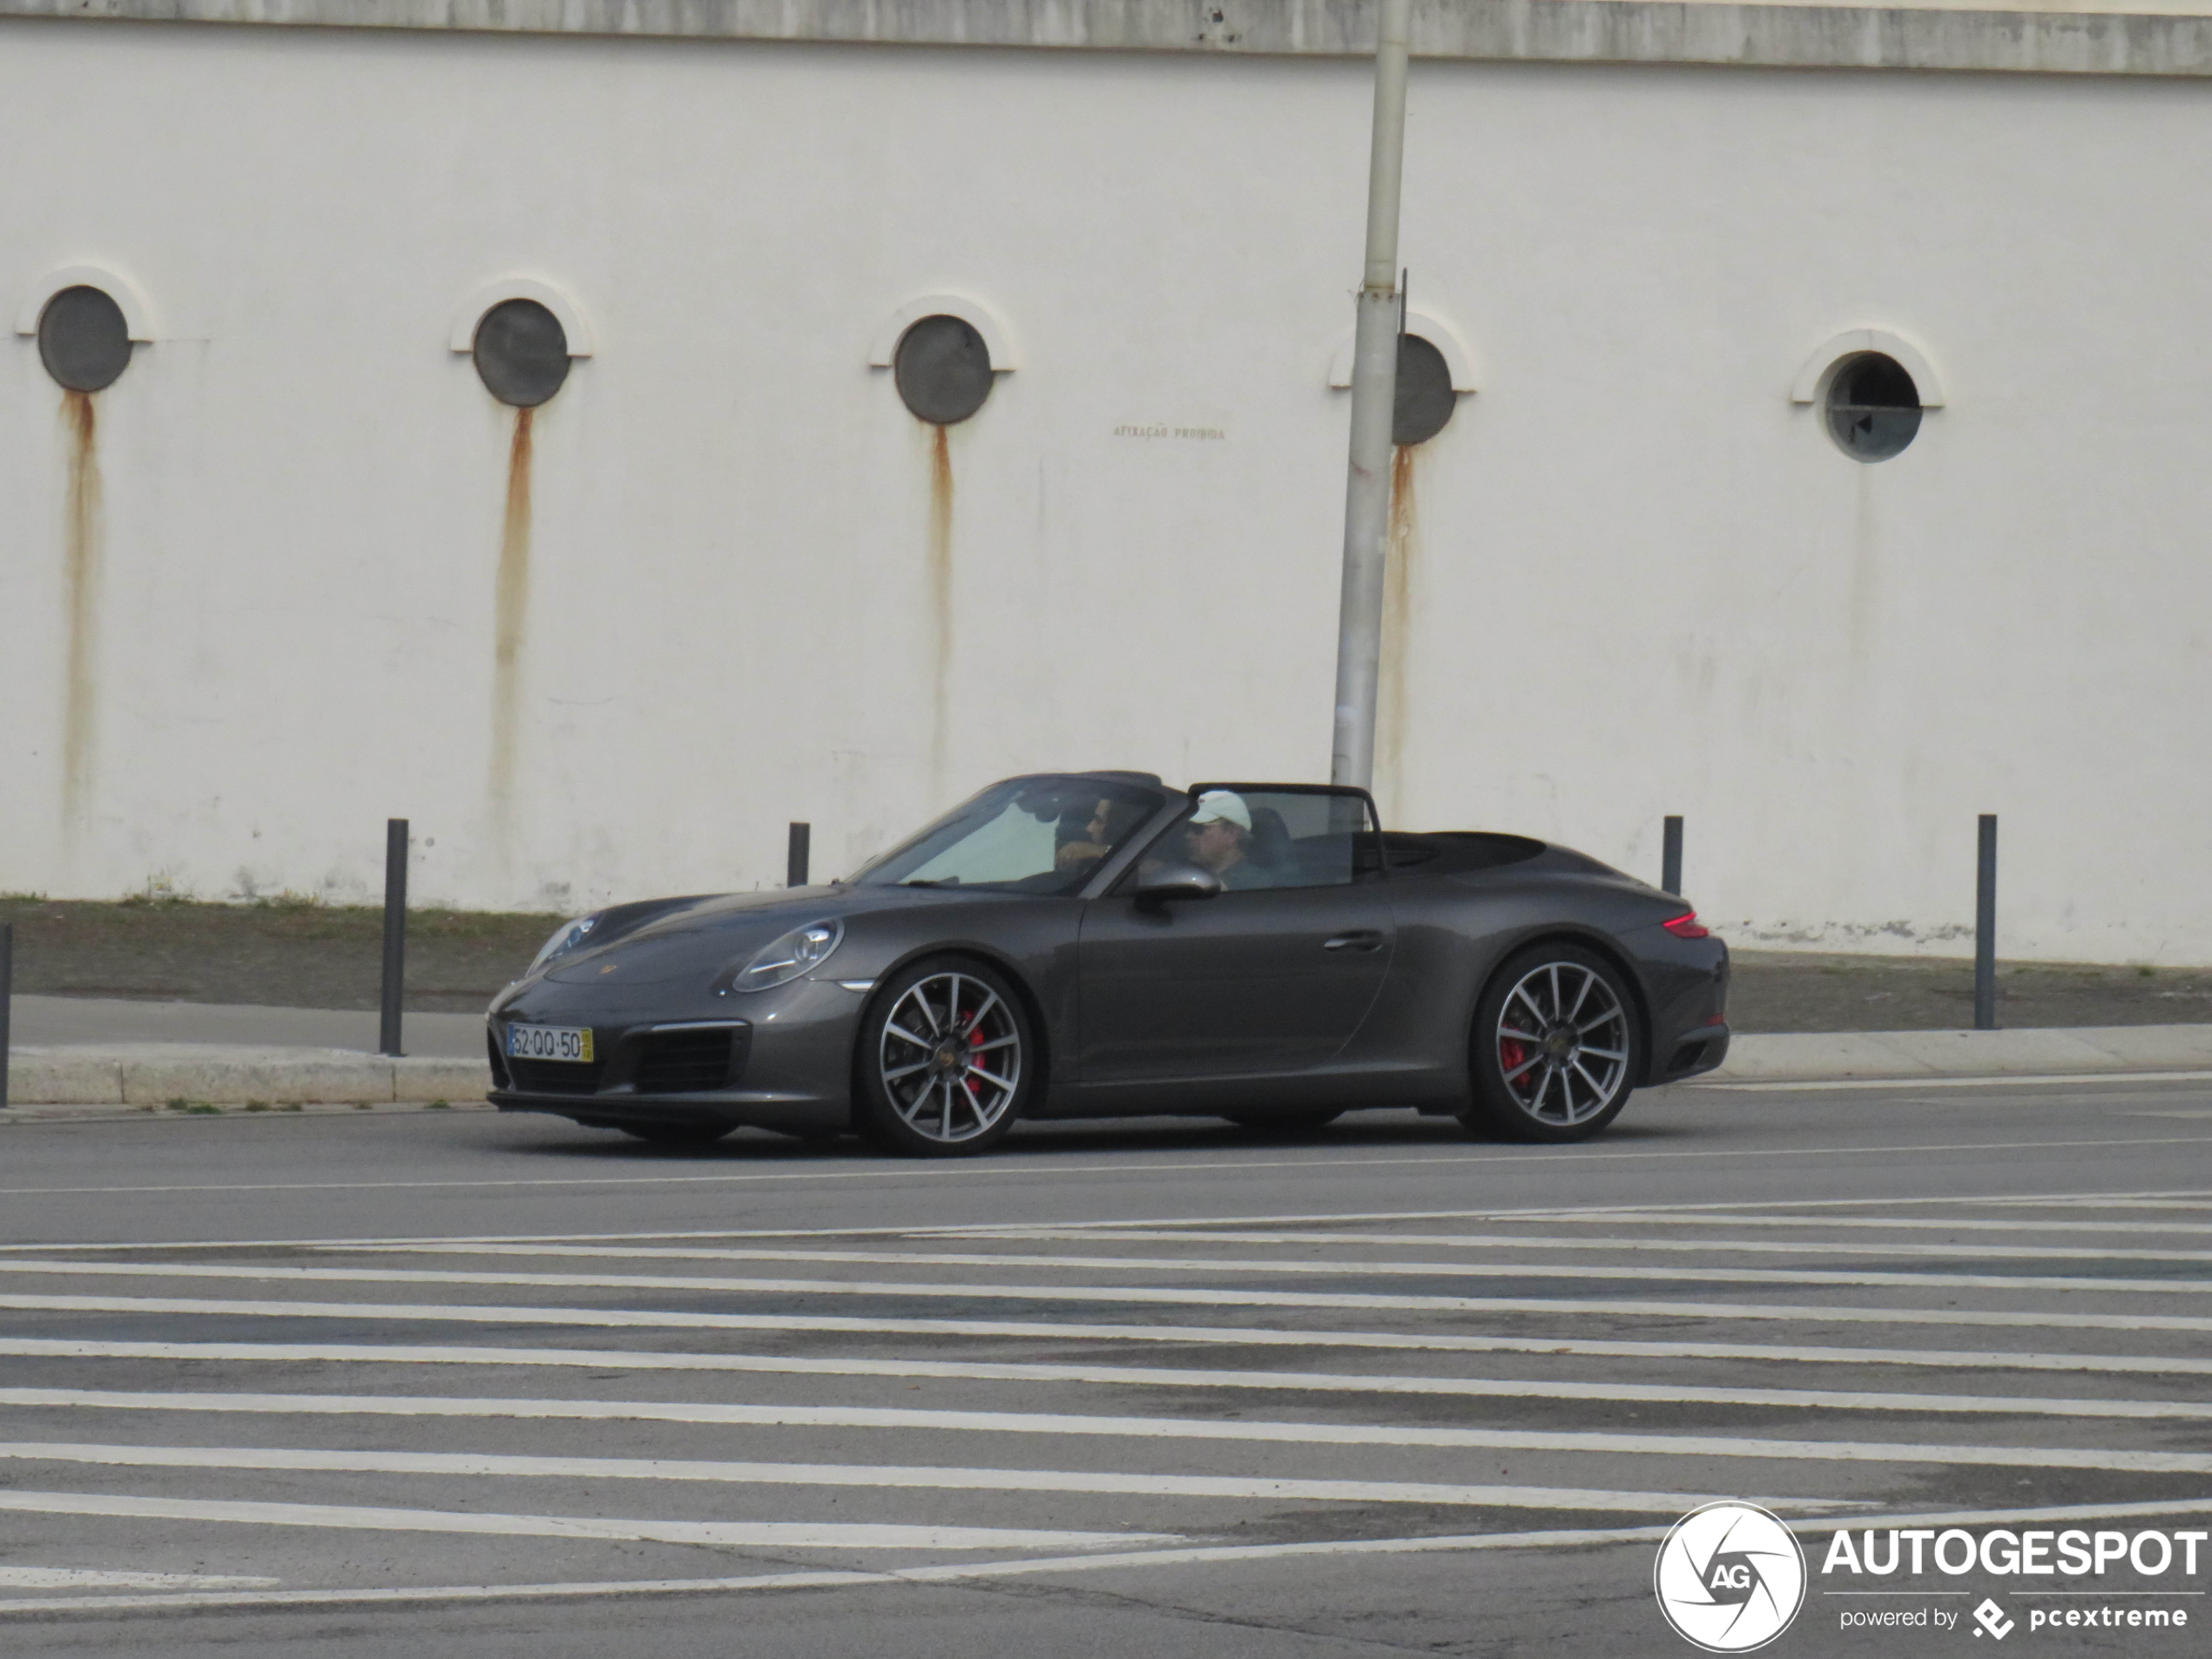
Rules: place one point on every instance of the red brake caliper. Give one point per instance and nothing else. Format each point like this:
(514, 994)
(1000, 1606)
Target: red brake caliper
(1511, 1054)
(974, 1045)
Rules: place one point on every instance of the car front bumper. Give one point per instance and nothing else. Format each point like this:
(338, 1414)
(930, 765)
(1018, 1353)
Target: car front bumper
(780, 1059)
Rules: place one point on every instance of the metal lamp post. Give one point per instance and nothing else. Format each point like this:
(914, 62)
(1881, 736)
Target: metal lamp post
(1374, 394)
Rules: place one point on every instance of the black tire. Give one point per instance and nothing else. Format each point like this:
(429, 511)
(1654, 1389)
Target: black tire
(1557, 1045)
(930, 1073)
(1303, 1117)
(678, 1134)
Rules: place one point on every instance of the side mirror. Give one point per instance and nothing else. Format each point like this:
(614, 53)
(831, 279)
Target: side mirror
(1174, 881)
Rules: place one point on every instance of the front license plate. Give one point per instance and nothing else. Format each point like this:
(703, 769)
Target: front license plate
(549, 1042)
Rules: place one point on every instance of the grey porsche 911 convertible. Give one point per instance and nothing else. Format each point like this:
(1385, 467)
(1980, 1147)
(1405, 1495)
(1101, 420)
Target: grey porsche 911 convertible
(1097, 945)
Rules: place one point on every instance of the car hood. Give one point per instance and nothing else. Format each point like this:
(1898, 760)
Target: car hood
(681, 938)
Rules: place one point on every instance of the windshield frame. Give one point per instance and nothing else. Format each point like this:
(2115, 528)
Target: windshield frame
(889, 869)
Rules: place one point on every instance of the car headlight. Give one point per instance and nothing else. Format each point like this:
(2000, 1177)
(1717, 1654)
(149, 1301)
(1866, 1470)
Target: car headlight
(565, 939)
(781, 961)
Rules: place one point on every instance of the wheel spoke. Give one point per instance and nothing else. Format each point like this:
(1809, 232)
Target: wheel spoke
(945, 1122)
(1522, 1068)
(976, 1019)
(995, 1043)
(1521, 991)
(898, 1072)
(1519, 1036)
(1606, 1054)
(1583, 996)
(1599, 1092)
(894, 1029)
(1607, 1018)
(991, 1078)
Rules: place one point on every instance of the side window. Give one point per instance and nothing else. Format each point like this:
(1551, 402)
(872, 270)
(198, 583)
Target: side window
(1257, 838)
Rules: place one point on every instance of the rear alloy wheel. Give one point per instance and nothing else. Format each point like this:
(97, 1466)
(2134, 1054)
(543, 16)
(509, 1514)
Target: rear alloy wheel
(1557, 1049)
(944, 1065)
(678, 1134)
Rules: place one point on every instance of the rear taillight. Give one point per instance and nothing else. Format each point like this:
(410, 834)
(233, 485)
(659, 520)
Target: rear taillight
(1686, 926)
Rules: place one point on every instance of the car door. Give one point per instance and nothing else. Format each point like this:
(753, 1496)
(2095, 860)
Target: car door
(1270, 978)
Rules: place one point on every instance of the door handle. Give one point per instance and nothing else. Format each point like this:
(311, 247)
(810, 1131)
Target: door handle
(1365, 939)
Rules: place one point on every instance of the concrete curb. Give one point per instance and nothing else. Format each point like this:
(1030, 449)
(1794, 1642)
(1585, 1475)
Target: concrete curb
(193, 1111)
(154, 1074)
(1815, 1056)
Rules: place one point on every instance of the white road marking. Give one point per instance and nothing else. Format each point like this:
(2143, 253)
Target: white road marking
(70, 1578)
(1607, 1272)
(1511, 1241)
(1206, 1555)
(1217, 1554)
(1115, 1376)
(1640, 1214)
(1324, 1158)
(879, 1475)
(1178, 1296)
(1162, 1429)
(1721, 1209)
(1245, 1336)
(2078, 1079)
(1886, 1223)
(772, 1534)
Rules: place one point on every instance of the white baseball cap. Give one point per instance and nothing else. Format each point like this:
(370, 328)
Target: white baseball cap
(1222, 806)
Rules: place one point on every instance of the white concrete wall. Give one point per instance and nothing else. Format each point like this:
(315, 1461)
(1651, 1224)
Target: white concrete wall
(1643, 581)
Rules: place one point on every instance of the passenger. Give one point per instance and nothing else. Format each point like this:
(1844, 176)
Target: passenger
(1219, 838)
(1109, 821)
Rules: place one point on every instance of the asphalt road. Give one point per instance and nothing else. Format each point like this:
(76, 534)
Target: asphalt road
(475, 1385)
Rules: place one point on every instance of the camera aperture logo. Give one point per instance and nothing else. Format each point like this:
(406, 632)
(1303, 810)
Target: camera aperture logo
(1729, 1577)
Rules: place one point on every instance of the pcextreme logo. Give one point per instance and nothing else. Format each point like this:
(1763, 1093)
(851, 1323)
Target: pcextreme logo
(1729, 1577)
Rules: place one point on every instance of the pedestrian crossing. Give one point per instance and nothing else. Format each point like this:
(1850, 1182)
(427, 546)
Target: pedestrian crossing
(441, 1419)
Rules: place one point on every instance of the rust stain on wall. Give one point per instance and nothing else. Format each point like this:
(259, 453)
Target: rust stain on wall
(82, 552)
(940, 600)
(512, 606)
(1399, 574)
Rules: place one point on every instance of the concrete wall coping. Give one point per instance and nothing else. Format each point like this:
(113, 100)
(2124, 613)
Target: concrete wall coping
(2021, 41)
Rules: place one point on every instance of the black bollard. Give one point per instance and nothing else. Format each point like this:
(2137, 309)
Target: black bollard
(1985, 927)
(6, 995)
(802, 836)
(1671, 857)
(394, 991)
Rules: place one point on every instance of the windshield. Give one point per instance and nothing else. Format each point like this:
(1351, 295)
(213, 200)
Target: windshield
(1026, 835)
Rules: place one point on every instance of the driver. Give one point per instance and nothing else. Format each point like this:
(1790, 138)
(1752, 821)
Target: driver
(1109, 821)
(1219, 838)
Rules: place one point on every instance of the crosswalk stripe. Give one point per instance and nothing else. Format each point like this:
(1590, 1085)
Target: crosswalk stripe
(879, 1475)
(1166, 1295)
(1214, 1554)
(1325, 1158)
(1607, 1272)
(1733, 1211)
(1177, 1428)
(937, 1573)
(1118, 1376)
(1511, 1241)
(777, 1534)
(1249, 1336)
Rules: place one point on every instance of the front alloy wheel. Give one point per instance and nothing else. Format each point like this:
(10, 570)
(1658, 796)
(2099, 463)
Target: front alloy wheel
(944, 1060)
(1557, 1045)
